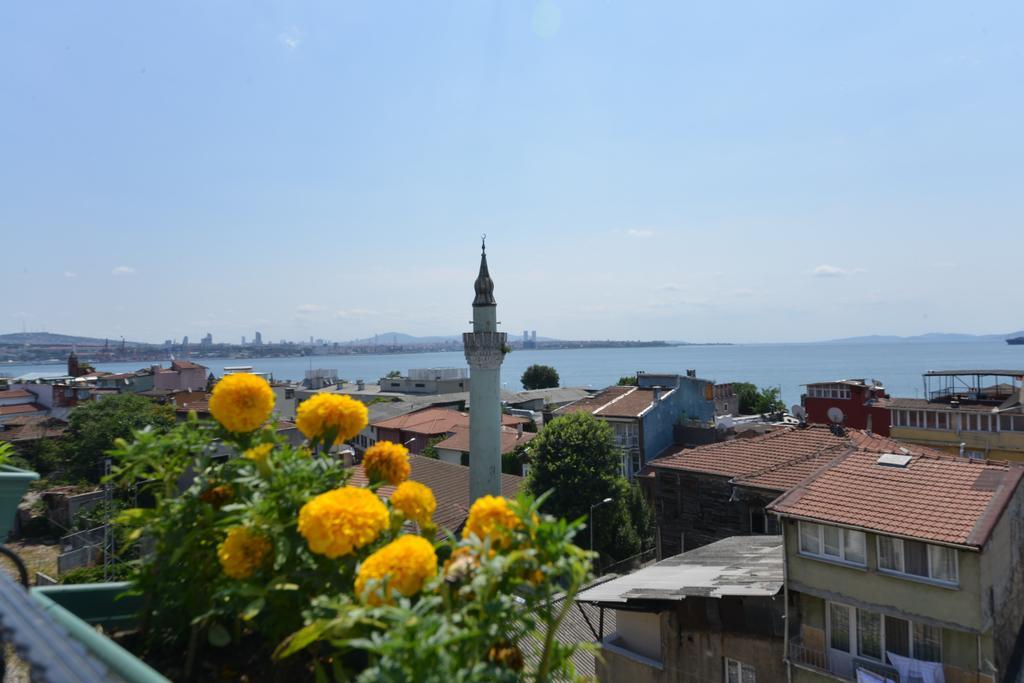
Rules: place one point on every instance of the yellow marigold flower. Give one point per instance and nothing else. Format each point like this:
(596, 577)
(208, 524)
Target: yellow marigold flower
(259, 454)
(343, 520)
(491, 517)
(325, 413)
(506, 654)
(242, 552)
(386, 461)
(416, 501)
(242, 402)
(404, 564)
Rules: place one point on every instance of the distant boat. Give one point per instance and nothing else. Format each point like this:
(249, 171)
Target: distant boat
(1016, 341)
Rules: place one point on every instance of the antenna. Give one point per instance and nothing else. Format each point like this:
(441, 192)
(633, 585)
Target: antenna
(836, 415)
(799, 412)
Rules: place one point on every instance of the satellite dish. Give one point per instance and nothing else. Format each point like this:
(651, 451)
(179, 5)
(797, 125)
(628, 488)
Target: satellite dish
(836, 415)
(798, 411)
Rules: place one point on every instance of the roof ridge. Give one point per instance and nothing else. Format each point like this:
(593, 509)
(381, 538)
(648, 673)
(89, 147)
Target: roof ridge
(616, 399)
(791, 462)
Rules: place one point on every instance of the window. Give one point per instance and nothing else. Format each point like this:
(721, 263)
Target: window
(636, 462)
(872, 634)
(837, 391)
(832, 543)
(737, 672)
(914, 558)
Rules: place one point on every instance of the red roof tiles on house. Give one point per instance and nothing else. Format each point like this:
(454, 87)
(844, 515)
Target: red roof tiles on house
(21, 409)
(938, 498)
(16, 393)
(779, 459)
(510, 439)
(432, 421)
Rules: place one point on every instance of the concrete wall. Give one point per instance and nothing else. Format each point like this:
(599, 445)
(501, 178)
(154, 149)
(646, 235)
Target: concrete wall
(1002, 570)
(692, 399)
(900, 596)
(995, 445)
(699, 507)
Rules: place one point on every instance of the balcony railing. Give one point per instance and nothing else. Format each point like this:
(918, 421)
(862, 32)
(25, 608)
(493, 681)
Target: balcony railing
(839, 664)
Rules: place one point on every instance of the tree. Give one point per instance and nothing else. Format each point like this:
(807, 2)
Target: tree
(757, 402)
(575, 458)
(540, 377)
(429, 451)
(93, 427)
(627, 381)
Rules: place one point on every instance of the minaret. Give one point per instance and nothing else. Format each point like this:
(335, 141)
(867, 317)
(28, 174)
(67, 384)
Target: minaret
(485, 349)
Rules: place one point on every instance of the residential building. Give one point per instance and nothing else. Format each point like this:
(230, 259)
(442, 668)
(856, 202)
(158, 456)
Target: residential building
(183, 375)
(417, 429)
(705, 494)
(644, 417)
(977, 413)
(22, 430)
(860, 403)
(727, 401)
(126, 382)
(713, 615)
(428, 381)
(19, 403)
(455, 448)
(904, 567)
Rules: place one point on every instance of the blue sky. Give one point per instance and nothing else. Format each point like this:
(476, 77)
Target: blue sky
(701, 171)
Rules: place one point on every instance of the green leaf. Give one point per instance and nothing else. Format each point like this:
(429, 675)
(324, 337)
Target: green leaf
(218, 635)
(301, 639)
(253, 608)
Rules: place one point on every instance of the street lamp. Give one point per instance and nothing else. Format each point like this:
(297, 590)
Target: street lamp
(592, 508)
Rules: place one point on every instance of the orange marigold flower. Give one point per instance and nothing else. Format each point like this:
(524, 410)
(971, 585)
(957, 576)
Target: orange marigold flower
(416, 501)
(326, 414)
(461, 564)
(241, 402)
(386, 461)
(217, 496)
(401, 566)
(506, 654)
(341, 521)
(242, 552)
(491, 517)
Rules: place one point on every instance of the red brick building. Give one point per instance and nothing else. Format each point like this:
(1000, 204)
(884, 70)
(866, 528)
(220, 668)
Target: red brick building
(858, 399)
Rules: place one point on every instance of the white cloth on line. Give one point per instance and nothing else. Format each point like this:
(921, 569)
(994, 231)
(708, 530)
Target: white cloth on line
(928, 672)
(868, 676)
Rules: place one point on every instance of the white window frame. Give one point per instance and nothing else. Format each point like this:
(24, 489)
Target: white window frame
(901, 573)
(822, 555)
(854, 644)
(741, 670)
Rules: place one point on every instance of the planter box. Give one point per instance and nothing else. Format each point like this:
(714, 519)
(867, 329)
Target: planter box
(13, 484)
(80, 608)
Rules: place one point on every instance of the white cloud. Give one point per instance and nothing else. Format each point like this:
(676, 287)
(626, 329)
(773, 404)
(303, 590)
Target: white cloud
(355, 313)
(826, 270)
(68, 273)
(123, 270)
(310, 308)
(291, 38)
(670, 287)
(640, 232)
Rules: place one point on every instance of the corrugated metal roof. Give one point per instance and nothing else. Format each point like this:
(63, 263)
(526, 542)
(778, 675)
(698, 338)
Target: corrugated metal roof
(740, 565)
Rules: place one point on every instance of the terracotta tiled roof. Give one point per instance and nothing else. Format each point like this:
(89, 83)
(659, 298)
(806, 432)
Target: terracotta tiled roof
(779, 459)
(16, 393)
(186, 365)
(510, 439)
(31, 427)
(450, 484)
(436, 421)
(935, 497)
(614, 402)
(21, 409)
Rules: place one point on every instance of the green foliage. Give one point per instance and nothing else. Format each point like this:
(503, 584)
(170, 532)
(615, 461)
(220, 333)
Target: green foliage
(575, 458)
(393, 374)
(540, 377)
(627, 381)
(302, 603)
(470, 625)
(6, 452)
(757, 402)
(429, 450)
(118, 572)
(94, 427)
(512, 462)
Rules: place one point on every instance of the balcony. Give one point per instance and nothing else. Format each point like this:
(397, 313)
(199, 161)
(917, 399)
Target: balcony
(837, 664)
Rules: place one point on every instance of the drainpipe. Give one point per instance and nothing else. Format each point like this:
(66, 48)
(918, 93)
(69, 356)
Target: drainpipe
(785, 597)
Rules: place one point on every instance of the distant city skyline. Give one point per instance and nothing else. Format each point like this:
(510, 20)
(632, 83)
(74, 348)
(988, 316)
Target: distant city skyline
(668, 171)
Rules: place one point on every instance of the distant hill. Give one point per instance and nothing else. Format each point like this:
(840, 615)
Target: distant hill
(930, 337)
(51, 339)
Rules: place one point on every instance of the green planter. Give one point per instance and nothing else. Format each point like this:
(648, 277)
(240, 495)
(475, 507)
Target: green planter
(13, 484)
(80, 608)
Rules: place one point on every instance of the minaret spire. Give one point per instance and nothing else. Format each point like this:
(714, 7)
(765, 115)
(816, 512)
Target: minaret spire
(485, 350)
(484, 285)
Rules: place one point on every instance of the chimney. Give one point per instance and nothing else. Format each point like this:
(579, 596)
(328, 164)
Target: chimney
(657, 395)
(360, 384)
